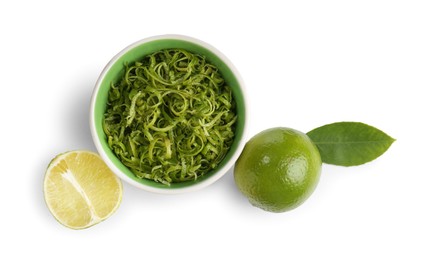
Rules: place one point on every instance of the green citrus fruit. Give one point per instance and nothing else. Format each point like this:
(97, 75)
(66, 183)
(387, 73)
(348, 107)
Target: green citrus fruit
(80, 190)
(278, 169)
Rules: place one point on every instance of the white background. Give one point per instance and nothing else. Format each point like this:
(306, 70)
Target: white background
(305, 64)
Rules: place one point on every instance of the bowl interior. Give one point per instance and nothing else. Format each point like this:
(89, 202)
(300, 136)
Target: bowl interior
(136, 52)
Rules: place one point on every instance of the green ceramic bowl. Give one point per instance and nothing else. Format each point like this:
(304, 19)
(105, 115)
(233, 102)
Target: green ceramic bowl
(138, 50)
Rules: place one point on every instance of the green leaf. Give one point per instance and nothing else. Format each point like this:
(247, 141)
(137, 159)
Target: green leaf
(349, 143)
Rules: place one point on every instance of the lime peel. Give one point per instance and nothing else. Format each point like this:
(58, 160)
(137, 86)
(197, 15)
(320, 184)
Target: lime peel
(171, 117)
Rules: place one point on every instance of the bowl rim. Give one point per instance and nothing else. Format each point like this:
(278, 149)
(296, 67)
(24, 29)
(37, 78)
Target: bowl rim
(195, 186)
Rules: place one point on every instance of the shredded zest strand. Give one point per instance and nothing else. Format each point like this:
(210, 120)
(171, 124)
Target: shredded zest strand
(171, 118)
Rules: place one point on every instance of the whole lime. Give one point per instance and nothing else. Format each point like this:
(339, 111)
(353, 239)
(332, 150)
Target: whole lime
(278, 169)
